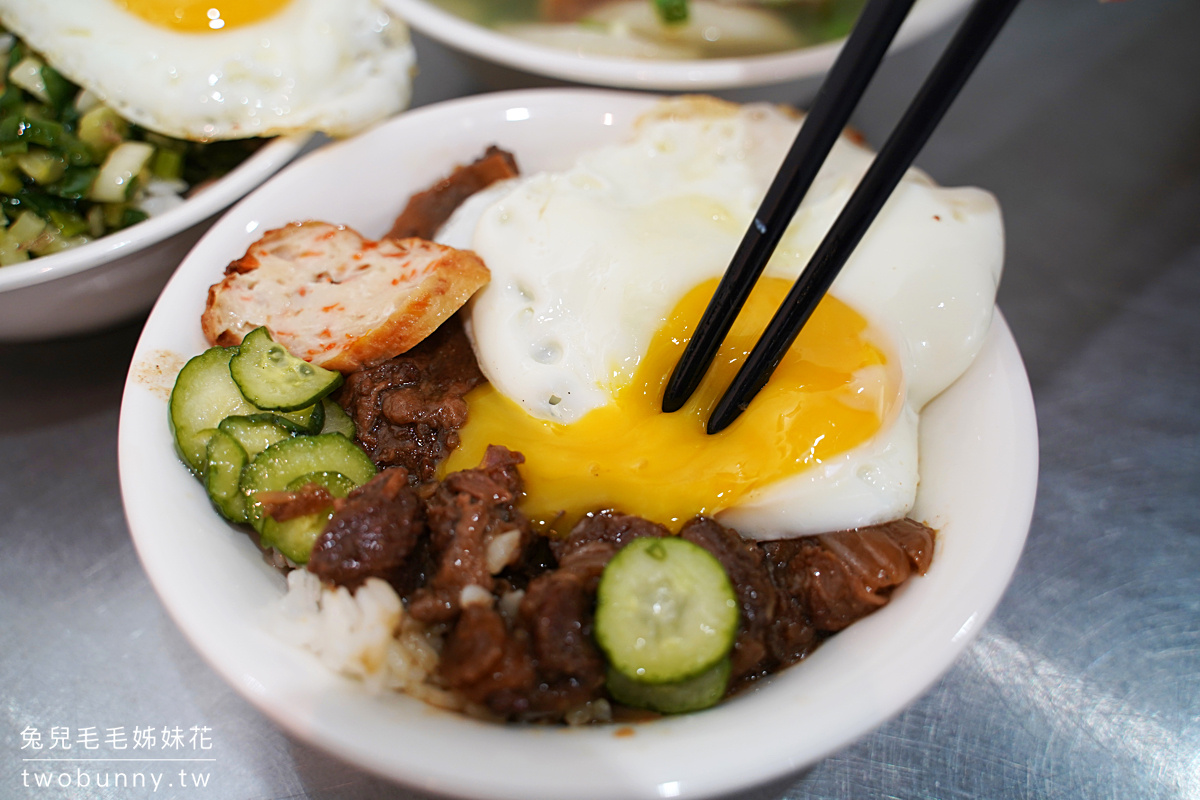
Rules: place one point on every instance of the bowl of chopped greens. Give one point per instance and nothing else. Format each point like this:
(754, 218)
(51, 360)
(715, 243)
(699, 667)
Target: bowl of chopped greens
(96, 212)
(689, 45)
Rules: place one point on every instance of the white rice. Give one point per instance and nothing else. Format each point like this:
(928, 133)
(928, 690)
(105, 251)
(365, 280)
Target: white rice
(368, 636)
(365, 635)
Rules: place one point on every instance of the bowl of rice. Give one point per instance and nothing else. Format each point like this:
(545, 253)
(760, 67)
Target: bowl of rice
(96, 212)
(677, 45)
(117, 276)
(122, 135)
(342, 672)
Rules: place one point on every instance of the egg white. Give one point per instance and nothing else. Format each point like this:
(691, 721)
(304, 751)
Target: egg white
(315, 65)
(587, 263)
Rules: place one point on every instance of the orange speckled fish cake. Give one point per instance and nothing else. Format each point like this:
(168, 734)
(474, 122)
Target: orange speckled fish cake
(337, 299)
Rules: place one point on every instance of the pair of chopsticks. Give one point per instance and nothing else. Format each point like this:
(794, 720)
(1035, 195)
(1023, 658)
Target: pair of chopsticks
(838, 96)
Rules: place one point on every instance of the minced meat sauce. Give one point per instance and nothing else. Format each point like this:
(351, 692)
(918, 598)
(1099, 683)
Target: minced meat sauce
(515, 607)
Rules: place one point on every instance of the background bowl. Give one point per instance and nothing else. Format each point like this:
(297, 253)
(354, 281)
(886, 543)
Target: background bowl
(115, 277)
(978, 479)
(489, 45)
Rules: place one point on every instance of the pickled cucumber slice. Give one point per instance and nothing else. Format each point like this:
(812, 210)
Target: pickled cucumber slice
(693, 694)
(295, 537)
(224, 461)
(204, 394)
(276, 467)
(337, 420)
(255, 433)
(272, 378)
(665, 611)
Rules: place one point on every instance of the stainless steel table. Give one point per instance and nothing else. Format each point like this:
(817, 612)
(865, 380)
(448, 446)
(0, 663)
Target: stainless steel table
(1085, 120)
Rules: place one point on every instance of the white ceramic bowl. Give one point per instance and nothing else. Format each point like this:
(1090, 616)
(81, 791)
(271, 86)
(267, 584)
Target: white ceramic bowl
(978, 477)
(636, 73)
(113, 278)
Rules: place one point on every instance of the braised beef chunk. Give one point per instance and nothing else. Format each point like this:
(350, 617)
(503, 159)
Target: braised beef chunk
(535, 559)
(914, 538)
(841, 577)
(468, 514)
(604, 528)
(407, 411)
(557, 610)
(774, 631)
(427, 211)
(374, 533)
(488, 663)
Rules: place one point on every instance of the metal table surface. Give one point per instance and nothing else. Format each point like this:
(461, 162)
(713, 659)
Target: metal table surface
(1085, 121)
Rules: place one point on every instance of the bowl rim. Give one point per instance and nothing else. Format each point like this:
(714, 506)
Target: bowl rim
(635, 73)
(224, 191)
(400, 738)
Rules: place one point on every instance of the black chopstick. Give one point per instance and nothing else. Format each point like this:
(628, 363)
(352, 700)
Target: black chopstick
(836, 99)
(963, 54)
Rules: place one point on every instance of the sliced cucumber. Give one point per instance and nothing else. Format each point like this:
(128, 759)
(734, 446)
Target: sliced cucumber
(224, 460)
(295, 537)
(272, 378)
(275, 468)
(204, 394)
(665, 611)
(693, 694)
(256, 432)
(305, 421)
(335, 483)
(337, 420)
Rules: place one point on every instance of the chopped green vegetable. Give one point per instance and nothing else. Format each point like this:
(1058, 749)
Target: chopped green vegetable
(672, 12)
(27, 73)
(102, 129)
(27, 228)
(168, 165)
(41, 165)
(79, 166)
(116, 180)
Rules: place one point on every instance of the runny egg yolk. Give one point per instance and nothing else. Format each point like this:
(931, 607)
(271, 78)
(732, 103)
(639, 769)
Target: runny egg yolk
(196, 16)
(831, 392)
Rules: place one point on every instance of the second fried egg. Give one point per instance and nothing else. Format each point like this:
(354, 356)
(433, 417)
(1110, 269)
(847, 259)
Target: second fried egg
(226, 69)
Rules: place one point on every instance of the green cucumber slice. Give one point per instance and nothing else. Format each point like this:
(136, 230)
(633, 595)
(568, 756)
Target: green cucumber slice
(295, 537)
(335, 483)
(204, 394)
(693, 694)
(275, 468)
(665, 610)
(224, 460)
(272, 378)
(255, 433)
(337, 420)
(306, 421)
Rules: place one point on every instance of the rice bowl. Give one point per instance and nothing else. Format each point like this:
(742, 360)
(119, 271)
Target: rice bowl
(978, 477)
(114, 278)
(689, 74)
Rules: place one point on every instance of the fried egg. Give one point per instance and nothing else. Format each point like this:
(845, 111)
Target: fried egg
(226, 69)
(600, 272)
